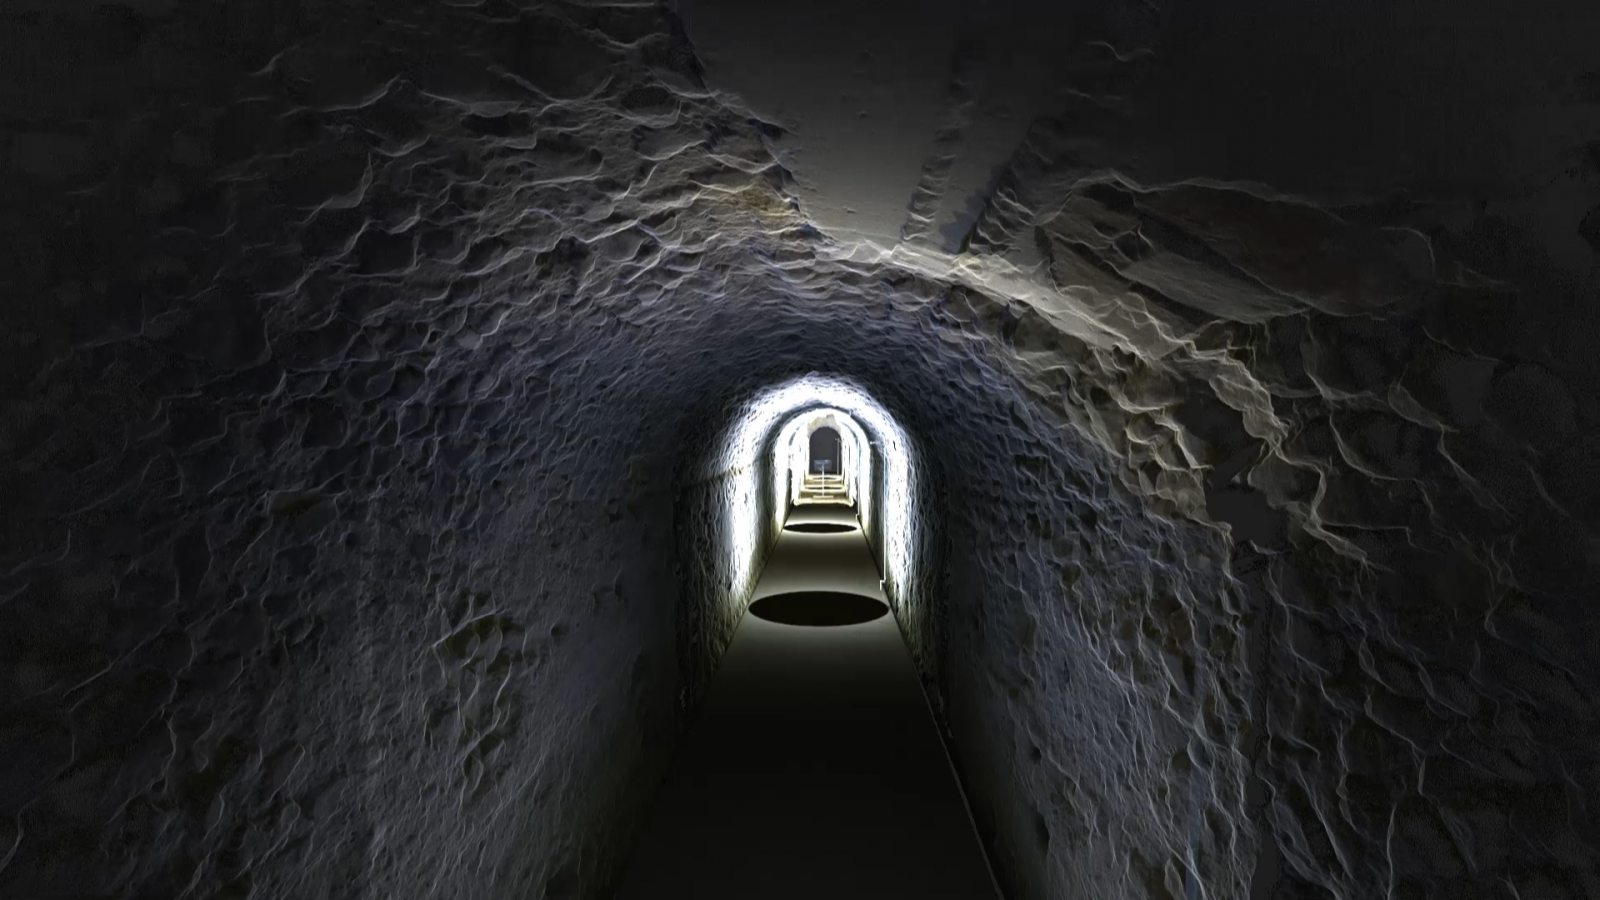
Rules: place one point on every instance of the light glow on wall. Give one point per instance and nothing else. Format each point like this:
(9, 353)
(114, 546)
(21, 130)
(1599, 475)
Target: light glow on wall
(793, 449)
(773, 421)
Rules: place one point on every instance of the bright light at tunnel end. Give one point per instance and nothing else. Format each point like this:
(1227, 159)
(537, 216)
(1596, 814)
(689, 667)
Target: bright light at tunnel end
(793, 449)
(787, 407)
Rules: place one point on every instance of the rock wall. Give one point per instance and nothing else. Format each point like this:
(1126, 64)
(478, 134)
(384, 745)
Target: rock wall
(340, 441)
(353, 358)
(1086, 656)
(1370, 363)
(338, 547)
(718, 494)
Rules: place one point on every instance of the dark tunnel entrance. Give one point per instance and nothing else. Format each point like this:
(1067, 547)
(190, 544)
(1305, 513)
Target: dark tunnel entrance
(827, 451)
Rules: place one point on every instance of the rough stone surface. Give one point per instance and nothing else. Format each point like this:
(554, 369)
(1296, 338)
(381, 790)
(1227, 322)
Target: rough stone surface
(358, 360)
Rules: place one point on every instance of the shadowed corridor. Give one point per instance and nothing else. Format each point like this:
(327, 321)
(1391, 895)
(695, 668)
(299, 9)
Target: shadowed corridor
(814, 768)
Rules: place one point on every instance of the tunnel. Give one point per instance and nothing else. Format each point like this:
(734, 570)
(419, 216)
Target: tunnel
(826, 449)
(402, 404)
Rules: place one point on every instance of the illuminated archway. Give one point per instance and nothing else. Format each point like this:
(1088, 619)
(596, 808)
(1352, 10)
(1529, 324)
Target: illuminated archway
(792, 452)
(760, 442)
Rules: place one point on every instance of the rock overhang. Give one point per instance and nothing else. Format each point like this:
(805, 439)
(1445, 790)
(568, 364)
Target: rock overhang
(467, 260)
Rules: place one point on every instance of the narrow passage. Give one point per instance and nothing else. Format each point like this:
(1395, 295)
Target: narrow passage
(814, 769)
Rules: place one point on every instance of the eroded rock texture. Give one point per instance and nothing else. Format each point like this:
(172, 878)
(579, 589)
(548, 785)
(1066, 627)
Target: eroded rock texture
(354, 359)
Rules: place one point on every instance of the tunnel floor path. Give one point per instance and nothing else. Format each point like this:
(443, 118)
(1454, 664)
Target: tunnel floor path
(814, 769)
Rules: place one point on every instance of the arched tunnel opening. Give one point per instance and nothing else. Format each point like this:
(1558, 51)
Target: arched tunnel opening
(826, 450)
(401, 407)
(813, 764)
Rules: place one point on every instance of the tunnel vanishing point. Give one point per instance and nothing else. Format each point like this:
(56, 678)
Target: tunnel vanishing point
(392, 396)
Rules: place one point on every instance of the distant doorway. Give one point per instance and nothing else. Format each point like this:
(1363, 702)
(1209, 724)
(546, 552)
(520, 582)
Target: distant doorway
(827, 452)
